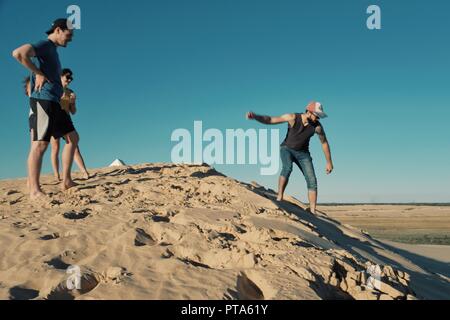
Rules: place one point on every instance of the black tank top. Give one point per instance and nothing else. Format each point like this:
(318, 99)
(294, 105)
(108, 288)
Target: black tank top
(298, 135)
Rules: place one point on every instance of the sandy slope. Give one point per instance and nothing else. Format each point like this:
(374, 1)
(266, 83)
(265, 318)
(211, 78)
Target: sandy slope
(164, 231)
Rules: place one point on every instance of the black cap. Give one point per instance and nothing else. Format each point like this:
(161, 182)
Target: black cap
(62, 23)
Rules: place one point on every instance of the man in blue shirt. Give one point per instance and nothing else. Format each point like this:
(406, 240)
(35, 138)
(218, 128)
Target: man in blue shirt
(47, 118)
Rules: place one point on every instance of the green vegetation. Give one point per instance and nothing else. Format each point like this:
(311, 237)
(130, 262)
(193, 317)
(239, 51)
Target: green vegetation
(439, 239)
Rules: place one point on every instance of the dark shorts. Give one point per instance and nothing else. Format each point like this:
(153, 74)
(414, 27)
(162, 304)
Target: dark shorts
(47, 120)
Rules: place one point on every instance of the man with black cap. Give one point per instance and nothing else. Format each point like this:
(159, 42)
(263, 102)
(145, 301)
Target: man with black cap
(47, 119)
(295, 147)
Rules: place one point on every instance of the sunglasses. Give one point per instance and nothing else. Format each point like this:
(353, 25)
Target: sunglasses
(68, 77)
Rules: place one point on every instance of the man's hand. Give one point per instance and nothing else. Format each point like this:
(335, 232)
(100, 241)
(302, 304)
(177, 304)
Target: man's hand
(40, 81)
(329, 168)
(250, 115)
(72, 99)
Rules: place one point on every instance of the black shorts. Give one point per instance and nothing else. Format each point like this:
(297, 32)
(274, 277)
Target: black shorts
(47, 120)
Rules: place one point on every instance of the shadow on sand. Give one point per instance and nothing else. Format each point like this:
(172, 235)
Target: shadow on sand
(425, 281)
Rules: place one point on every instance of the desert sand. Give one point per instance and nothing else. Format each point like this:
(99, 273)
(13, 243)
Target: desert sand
(407, 223)
(165, 231)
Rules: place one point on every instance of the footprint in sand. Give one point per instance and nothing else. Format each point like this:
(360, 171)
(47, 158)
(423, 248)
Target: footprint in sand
(87, 186)
(121, 182)
(88, 282)
(144, 179)
(302, 244)
(10, 192)
(194, 263)
(160, 219)
(141, 210)
(22, 293)
(73, 215)
(50, 236)
(55, 202)
(13, 202)
(143, 239)
(57, 263)
(247, 289)
(21, 225)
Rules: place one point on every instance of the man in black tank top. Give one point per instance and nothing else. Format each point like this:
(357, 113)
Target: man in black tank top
(295, 147)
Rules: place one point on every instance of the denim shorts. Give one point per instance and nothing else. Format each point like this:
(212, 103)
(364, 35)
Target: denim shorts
(303, 160)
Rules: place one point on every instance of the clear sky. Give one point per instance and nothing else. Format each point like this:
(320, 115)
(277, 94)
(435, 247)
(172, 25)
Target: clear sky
(145, 68)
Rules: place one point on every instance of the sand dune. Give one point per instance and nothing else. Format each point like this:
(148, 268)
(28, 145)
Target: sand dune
(164, 231)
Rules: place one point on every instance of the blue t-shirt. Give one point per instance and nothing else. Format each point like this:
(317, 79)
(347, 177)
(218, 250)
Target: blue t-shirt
(47, 60)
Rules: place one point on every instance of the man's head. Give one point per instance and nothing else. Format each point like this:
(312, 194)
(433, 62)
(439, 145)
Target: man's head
(61, 32)
(66, 77)
(314, 111)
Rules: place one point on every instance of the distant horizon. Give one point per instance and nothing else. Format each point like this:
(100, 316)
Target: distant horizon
(330, 203)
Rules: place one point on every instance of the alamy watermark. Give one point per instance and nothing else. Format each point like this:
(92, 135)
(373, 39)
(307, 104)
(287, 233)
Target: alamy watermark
(374, 279)
(74, 20)
(74, 279)
(235, 146)
(374, 20)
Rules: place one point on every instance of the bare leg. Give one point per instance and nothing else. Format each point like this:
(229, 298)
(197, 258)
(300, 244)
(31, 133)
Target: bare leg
(67, 159)
(31, 142)
(80, 163)
(312, 195)
(55, 158)
(282, 183)
(37, 151)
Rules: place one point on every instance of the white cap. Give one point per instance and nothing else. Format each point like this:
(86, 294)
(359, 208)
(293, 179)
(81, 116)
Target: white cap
(317, 109)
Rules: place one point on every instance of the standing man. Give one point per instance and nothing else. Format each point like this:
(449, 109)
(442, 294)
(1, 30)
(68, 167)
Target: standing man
(48, 119)
(295, 147)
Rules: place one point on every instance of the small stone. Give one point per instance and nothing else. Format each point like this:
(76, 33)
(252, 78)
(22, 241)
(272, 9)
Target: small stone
(114, 272)
(348, 267)
(388, 289)
(353, 275)
(365, 295)
(143, 238)
(167, 254)
(354, 290)
(388, 271)
(363, 278)
(333, 280)
(351, 283)
(403, 282)
(344, 286)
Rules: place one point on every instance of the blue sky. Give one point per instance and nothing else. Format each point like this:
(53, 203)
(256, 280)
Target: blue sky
(145, 68)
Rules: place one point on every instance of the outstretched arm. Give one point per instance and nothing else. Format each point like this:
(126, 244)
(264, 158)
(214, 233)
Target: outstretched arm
(326, 148)
(288, 117)
(23, 54)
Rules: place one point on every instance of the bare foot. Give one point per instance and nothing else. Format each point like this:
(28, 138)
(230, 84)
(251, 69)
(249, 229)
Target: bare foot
(86, 175)
(279, 198)
(37, 195)
(58, 178)
(310, 211)
(67, 185)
